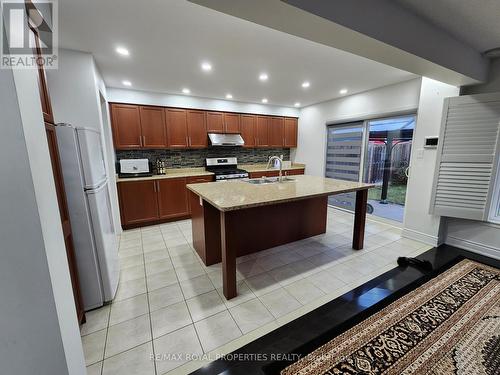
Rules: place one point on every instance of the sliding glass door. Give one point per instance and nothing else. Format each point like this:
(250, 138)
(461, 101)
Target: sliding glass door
(343, 158)
(375, 151)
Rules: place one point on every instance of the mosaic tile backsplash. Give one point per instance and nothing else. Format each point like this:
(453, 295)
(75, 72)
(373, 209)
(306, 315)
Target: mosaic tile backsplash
(196, 158)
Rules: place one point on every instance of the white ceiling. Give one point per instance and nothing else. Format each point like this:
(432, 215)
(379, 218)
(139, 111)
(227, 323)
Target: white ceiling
(169, 39)
(475, 22)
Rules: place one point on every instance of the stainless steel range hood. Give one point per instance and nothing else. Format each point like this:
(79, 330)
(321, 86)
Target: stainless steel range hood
(217, 139)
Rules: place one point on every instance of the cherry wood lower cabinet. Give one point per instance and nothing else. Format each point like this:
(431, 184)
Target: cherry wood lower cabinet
(172, 198)
(275, 173)
(138, 202)
(158, 200)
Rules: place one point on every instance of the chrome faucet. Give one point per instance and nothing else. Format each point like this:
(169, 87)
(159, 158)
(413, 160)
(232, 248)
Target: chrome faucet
(271, 159)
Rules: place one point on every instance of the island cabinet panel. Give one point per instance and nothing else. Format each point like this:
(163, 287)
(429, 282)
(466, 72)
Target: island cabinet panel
(248, 125)
(153, 127)
(215, 122)
(262, 131)
(231, 122)
(290, 132)
(177, 128)
(197, 129)
(172, 198)
(276, 134)
(126, 123)
(138, 202)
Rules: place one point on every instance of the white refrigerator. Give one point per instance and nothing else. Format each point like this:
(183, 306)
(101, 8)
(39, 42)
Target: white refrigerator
(94, 237)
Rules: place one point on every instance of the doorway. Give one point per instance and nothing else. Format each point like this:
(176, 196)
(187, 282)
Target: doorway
(375, 151)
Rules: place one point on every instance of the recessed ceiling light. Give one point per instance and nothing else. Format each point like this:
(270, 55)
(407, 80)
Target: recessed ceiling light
(264, 100)
(306, 84)
(122, 51)
(343, 91)
(186, 91)
(297, 104)
(126, 83)
(229, 96)
(263, 76)
(206, 66)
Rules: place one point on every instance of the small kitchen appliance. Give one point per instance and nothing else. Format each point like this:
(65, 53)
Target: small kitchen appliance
(134, 168)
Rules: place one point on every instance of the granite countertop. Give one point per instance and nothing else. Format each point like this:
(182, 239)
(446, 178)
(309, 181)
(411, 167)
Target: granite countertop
(237, 194)
(171, 173)
(200, 171)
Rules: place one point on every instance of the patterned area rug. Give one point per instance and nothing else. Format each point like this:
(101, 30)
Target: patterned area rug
(450, 325)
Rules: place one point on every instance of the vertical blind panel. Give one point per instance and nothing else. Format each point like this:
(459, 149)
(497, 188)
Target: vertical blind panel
(465, 163)
(343, 159)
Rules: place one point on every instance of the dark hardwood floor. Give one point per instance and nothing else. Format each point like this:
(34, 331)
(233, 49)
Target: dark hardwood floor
(319, 326)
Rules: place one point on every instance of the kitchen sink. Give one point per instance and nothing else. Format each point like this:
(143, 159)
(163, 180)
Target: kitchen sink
(268, 180)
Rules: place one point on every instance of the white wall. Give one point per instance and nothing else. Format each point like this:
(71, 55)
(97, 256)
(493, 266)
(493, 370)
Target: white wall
(311, 148)
(77, 92)
(185, 101)
(418, 223)
(40, 333)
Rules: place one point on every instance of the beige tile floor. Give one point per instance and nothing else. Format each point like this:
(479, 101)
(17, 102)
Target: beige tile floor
(170, 306)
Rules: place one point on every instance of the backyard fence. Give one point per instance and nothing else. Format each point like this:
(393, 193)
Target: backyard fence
(400, 160)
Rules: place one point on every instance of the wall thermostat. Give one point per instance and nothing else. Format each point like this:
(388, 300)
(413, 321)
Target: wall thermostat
(431, 142)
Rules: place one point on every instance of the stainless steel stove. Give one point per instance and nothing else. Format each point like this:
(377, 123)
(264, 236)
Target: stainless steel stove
(225, 169)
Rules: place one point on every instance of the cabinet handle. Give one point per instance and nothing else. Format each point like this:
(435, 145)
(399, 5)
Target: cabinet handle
(158, 187)
(187, 140)
(140, 141)
(154, 186)
(144, 140)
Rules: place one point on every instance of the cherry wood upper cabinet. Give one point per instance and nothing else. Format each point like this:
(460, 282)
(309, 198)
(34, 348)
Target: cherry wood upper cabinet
(223, 122)
(138, 202)
(248, 124)
(126, 121)
(172, 198)
(276, 134)
(153, 126)
(262, 131)
(291, 132)
(231, 122)
(215, 122)
(177, 128)
(197, 129)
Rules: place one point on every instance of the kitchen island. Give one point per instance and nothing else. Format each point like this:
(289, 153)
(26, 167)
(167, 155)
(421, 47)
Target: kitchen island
(235, 218)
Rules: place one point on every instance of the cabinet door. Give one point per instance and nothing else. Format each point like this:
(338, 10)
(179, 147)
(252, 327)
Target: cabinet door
(291, 130)
(172, 198)
(231, 122)
(42, 79)
(215, 122)
(153, 126)
(126, 125)
(177, 130)
(138, 201)
(294, 172)
(276, 134)
(197, 129)
(262, 131)
(248, 124)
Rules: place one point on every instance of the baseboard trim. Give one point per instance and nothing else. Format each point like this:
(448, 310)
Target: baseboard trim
(475, 247)
(421, 237)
